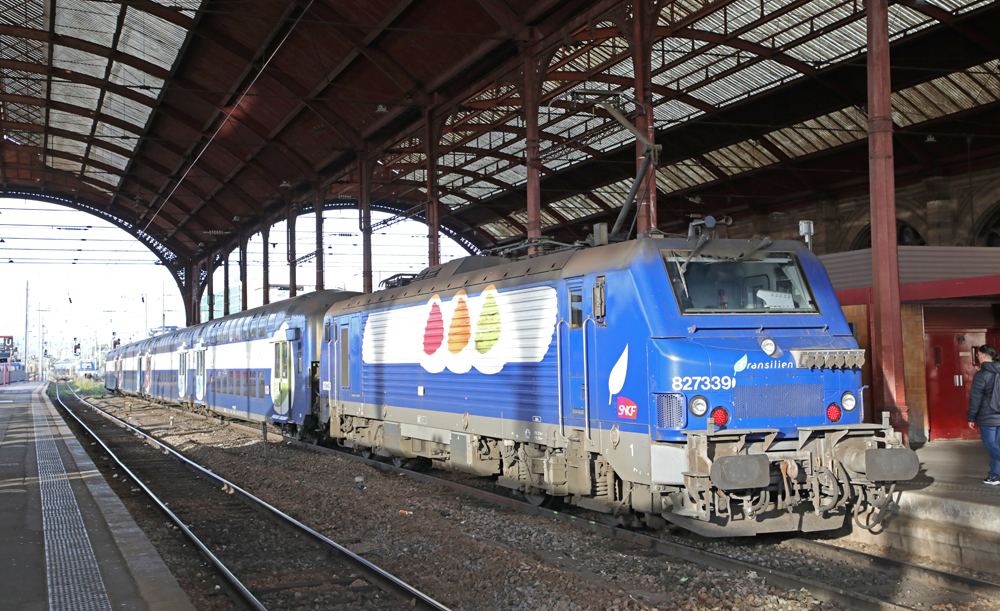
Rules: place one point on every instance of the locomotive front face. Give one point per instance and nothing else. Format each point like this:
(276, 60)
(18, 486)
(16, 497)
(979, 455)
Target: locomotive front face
(757, 396)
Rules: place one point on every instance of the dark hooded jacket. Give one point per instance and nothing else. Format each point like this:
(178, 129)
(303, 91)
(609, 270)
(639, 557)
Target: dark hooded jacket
(982, 409)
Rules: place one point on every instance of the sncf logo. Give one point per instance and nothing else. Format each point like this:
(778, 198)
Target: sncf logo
(626, 408)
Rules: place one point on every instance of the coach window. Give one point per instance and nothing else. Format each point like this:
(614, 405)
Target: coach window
(345, 358)
(245, 329)
(575, 308)
(246, 387)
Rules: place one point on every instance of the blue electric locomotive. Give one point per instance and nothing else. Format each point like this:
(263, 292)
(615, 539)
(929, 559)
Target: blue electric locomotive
(711, 383)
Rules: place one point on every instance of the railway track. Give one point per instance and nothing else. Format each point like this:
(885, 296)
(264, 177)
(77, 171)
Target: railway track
(851, 579)
(269, 561)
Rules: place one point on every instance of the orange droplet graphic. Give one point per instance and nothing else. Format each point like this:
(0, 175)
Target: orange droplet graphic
(460, 331)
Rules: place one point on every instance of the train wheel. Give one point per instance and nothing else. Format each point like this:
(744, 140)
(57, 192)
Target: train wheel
(365, 452)
(615, 521)
(398, 461)
(538, 499)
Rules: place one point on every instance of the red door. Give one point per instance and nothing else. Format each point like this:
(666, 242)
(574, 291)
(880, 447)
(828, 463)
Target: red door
(952, 360)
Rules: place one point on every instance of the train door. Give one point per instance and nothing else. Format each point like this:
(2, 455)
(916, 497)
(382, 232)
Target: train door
(571, 337)
(182, 373)
(951, 361)
(343, 369)
(281, 376)
(199, 375)
(355, 354)
(147, 382)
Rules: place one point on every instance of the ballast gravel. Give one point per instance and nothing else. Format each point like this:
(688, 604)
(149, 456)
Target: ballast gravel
(466, 553)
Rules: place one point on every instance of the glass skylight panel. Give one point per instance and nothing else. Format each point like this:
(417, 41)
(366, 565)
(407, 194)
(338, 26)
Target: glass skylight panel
(18, 136)
(547, 219)
(70, 122)
(136, 80)
(107, 157)
(125, 109)
(76, 94)
(79, 61)
(683, 175)
(102, 176)
(749, 81)
(576, 207)
(68, 145)
(741, 157)
(91, 21)
(514, 175)
(190, 7)
(452, 201)
(150, 38)
(499, 230)
(66, 165)
(614, 194)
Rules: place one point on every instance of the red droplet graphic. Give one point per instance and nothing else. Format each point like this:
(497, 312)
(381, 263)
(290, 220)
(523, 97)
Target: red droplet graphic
(434, 331)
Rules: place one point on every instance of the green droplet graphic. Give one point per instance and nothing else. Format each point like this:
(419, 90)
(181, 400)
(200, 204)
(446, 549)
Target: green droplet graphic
(488, 327)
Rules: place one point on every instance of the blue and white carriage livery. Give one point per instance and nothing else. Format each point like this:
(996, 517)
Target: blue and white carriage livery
(255, 365)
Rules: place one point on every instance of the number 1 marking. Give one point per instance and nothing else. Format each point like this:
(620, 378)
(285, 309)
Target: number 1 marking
(632, 447)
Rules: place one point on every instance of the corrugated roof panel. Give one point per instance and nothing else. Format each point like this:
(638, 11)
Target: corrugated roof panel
(74, 123)
(741, 157)
(79, 61)
(500, 229)
(83, 96)
(735, 15)
(576, 207)
(615, 193)
(962, 6)
(115, 135)
(481, 189)
(748, 81)
(91, 21)
(520, 217)
(28, 13)
(105, 156)
(842, 43)
(125, 109)
(566, 157)
(485, 164)
(22, 137)
(452, 201)
(683, 175)
(547, 219)
(66, 165)
(514, 175)
(612, 140)
(672, 112)
(136, 80)
(150, 38)
(66, 145)
(102, 176)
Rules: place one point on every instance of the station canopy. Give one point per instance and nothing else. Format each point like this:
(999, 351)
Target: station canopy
(190, 123)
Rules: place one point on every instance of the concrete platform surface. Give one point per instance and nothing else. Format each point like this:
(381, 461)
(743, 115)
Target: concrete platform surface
(66, 540)
(947, 513)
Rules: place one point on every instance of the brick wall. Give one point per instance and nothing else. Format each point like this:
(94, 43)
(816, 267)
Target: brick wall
(915, 370)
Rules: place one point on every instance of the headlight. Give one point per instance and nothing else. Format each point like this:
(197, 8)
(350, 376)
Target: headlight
(848, 400)
(698, 406)
(768, 346)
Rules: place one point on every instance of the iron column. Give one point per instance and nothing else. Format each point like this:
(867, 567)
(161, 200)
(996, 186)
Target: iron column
(887, 367)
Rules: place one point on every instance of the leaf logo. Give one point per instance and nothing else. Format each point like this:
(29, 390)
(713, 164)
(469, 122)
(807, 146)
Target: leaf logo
(617, 378)
(740, 365)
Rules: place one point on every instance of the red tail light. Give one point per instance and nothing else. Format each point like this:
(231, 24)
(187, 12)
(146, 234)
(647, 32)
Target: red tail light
(720, 416)
(833, 412)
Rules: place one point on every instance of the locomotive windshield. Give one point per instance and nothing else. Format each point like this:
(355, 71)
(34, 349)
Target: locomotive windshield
(767, 282)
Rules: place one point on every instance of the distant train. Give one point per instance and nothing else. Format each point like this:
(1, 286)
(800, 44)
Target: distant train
(13, 372)
(75, 368)
(711, 383)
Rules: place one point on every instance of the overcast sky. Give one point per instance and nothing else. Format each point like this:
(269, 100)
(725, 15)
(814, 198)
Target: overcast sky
(67, 255)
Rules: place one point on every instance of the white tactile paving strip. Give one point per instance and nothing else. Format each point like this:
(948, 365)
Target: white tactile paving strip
(74, 580)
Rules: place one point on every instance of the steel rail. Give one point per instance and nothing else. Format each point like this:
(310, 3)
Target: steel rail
(819, 590)
(386, 581)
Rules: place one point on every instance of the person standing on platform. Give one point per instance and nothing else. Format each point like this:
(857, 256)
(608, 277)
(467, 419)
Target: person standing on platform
(984, 409)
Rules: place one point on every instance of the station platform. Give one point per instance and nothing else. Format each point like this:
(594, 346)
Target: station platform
(947, 513)
(66, 541)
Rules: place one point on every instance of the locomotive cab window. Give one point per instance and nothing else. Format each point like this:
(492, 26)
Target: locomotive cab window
(765, 282)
